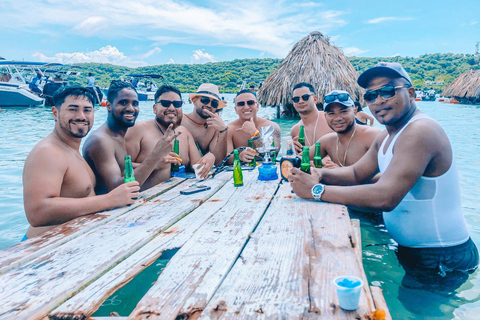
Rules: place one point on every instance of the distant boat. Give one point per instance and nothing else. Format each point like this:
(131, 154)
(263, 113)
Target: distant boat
(429, 95)
(145, 85)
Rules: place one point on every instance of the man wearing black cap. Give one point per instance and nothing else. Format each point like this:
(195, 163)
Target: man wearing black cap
(350, 141)
(419, 189)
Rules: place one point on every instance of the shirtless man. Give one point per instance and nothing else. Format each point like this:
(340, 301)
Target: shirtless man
(350, 141)
(248, 125)
(419, 189)
(142, 138)
(105, 149)
(58, 185)
(206, 126)
(305, 102)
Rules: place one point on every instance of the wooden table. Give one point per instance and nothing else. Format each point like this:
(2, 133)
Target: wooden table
(254, 252)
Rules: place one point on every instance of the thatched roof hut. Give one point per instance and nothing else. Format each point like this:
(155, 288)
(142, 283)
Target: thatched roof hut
(315, 60)
(467, 85)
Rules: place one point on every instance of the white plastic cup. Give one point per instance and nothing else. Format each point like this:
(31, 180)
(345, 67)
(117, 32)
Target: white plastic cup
(196, 167)
(348, 292)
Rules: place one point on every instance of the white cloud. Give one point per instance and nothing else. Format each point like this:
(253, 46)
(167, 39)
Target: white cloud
(107, 54)
(353, 51)
(385, 19)
(171, 61)
(91, 26)
(201, 57)
(473, 23)
(150, 53)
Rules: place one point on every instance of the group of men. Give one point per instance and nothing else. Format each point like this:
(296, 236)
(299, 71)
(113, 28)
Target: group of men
(408, 170)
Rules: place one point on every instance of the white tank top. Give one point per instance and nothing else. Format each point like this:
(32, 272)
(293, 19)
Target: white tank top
(430, 214)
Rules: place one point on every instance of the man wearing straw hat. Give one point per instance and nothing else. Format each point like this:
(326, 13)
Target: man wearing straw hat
(419, 190)
(204, 123)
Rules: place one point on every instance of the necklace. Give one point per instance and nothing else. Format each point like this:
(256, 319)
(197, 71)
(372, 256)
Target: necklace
(346, 149)
(314, 131)
(197, 123)
(158, 126)
(70, 148)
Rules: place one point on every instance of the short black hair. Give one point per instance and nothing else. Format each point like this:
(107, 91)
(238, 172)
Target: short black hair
(359, 106)
(115, 87)
(245, 91)
(77, 91)
(164, 89)
(304, 84)
(90, 74)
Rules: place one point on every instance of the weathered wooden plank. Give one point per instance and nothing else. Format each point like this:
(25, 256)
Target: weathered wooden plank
(87, 301)
(286, 269)
(48, 280)
(197, 269)
(22, 252)
(379, 301)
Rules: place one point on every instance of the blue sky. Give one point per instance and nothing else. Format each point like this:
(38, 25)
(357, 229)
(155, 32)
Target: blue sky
(151, 32)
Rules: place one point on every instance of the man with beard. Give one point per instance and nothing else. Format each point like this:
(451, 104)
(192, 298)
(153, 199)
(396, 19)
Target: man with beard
(105, 149)
(58, 185)
(247, 126)
(143, 137)
(350, 141)
(206, 126)
(315, 126)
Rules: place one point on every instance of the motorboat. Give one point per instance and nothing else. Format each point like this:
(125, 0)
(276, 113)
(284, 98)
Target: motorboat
(429, 95)
(145, 85)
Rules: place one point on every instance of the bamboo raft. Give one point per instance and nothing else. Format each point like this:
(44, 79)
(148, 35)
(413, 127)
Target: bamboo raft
(254, 252)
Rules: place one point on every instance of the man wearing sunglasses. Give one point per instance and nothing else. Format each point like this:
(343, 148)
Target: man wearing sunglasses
(419, 189)
(248, 125)
(305, 102)
(105, 148)
(350, 141)
(204, 123)
(144, 136)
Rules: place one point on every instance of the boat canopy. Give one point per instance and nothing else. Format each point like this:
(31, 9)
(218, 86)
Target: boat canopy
(153, 76)
(27, 63)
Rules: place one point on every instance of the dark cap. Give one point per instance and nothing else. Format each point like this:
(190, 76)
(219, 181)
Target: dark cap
(383, 69)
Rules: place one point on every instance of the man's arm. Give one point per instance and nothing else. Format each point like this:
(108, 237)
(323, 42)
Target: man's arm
(218, 145)
(277, 137)
(294, 134)
(43, 176)
(207, 161)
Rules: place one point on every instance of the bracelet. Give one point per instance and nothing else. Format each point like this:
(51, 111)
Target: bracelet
(255, 134)
(226, 128)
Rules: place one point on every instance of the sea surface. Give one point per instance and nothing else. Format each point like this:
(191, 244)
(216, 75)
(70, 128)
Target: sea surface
(22, 128)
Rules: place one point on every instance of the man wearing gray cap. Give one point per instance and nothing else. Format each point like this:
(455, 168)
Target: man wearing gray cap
(350, 141)
(419, 189)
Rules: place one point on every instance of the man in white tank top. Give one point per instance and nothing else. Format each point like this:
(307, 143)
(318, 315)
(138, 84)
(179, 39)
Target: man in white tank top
(419, 188)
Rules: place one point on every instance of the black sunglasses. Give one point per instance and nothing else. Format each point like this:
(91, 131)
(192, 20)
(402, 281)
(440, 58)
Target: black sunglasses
(242, 103)
(386, 93)
(337, 96)
(305, 97)
(206, 100)
(167, 103)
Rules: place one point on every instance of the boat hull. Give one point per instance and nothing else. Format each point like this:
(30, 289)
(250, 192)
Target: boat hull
(17, 96)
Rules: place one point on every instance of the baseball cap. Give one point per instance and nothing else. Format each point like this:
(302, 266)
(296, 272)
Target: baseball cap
(383, 69)
(338, 96)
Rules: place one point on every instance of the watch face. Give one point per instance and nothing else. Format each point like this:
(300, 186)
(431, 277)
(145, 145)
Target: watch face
(317, 189)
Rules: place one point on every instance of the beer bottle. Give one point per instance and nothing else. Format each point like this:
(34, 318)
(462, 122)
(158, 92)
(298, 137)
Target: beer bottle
(273, 154)
(317, 158)
(237, 170)
(305, 164)
(128, 174)
(253, 163)
(176, 149)
(301, 135)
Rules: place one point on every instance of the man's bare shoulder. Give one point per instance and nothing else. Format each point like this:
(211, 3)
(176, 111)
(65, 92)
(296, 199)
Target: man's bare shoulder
(368, 131)
(99, 139)
(425, 131)
(328, 138)
(47, 148)
(139, 130)
(235, 124)
(264, 122)
(296, 128)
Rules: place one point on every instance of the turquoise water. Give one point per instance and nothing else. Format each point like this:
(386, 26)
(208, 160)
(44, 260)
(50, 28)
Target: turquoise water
(21, 129)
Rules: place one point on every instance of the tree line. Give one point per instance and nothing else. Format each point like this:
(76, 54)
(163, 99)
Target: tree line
(427, 71)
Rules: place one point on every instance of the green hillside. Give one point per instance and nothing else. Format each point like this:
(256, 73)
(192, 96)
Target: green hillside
(429, 70)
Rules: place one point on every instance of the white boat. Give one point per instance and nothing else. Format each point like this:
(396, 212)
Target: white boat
(145, 85)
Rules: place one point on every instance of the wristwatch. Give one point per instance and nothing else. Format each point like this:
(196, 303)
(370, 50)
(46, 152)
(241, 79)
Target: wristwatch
(317, 191)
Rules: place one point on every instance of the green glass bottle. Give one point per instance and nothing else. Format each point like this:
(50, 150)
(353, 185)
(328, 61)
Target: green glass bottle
(176, 149)
(128, 174)
(237, 170)
(305, 164)
(317, 158)
(273, 154)
(253, 163)
(301, 135)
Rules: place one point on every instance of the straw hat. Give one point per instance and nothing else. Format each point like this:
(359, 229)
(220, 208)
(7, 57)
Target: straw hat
(209, 90)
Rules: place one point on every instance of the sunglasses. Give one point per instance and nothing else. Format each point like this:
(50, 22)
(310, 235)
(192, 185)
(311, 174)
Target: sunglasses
(337, 96)
(387, 92)
(167, 103)
(305, 97)
(242, 103)
(206, 100)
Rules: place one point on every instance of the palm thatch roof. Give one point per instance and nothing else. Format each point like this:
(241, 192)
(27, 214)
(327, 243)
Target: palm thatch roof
(467, 85)
(315, 60)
